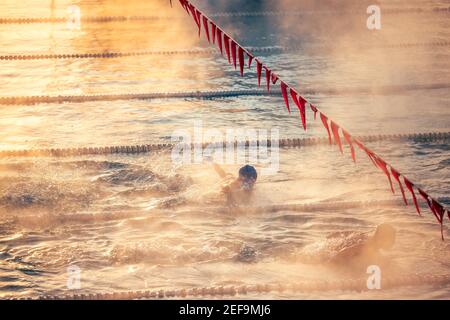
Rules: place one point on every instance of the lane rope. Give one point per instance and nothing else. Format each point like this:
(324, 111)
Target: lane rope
(204, 51)
(131, 18)
(358, 285)
(283, 143)
(212, 94)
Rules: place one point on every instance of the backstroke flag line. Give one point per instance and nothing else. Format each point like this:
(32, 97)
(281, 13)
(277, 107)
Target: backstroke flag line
(234, 51)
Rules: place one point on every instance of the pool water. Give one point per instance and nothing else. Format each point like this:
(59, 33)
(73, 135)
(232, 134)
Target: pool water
(131, 222)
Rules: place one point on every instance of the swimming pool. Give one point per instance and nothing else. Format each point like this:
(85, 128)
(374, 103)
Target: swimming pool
(103, 213)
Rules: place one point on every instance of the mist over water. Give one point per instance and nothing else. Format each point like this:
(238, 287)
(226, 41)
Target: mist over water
(135, 222)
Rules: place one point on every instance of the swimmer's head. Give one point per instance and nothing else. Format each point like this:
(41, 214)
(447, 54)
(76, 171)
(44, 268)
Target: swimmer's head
(247, 177)
(385, 236)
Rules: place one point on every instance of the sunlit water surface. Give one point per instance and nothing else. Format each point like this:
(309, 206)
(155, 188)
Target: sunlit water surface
(136, 222)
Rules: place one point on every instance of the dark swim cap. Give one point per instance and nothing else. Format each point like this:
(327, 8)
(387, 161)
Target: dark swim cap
(248, 172)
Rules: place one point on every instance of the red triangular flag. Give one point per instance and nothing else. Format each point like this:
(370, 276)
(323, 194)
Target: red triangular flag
(250, 60)
(199, 19)
(300, 102)
(302, 109)
(241, 60)
(337, 138)
(439, 210)
(226, 42)
(213, 32)
(397, 177)
(187, 6)
(369, 154)
(219, 40)
(325, 124)
(184, 5)
(348, 138)
(258, 71)
(372, 157)
(274, 78)
(410, 186)
(194, 15)
(383, 167)
(268, 72)
(436, 208)
(314, 109)
(206, 27)
(426, 197)
(285, 96)
(233, 53)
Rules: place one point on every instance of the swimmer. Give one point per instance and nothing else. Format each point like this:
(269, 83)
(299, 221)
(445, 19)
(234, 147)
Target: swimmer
(363, 250)
(237, 190)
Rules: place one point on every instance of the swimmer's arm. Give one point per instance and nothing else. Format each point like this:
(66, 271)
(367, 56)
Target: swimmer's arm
(339, 234)
(346, 254)
(219, 170)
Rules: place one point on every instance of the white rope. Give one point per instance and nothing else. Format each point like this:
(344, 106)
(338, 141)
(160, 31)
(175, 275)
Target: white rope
(351, 285)
(108, 19)
(283, 143)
